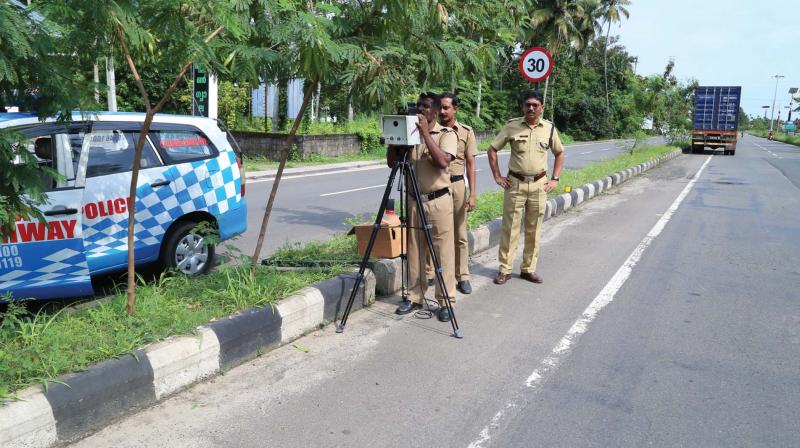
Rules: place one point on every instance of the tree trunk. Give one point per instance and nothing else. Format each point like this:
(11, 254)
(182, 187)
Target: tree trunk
(284, 156)
(96, 79)
(349, 111)
(137, 156)
(605, 68)
(478, 106)
(319, 100)
(111, 81)
(266, 107)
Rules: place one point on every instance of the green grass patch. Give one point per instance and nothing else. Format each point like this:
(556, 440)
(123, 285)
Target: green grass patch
(489, 206)
(779, 136)
(36, 348)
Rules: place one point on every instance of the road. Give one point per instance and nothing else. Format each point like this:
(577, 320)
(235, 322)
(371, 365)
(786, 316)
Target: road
(314, 206)
(669, 316)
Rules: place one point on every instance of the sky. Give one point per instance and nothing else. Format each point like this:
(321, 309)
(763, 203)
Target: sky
(720, 42)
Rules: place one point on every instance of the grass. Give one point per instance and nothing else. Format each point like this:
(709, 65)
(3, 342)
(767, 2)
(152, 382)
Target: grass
(489, 206)
(38, 347)
(35, 348)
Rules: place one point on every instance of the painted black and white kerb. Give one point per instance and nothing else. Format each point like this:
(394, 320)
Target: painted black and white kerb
(94, 398)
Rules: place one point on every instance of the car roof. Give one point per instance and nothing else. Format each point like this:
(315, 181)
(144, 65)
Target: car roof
(23, 118)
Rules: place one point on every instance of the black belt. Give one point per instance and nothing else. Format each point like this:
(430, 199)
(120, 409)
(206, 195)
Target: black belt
(435, 194)
(528, 178)
(456, 178)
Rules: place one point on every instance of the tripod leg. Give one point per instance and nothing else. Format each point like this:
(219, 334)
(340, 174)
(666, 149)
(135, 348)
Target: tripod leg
(434, 257)
(363, 266)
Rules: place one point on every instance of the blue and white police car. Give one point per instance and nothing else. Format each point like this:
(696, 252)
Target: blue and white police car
(189, 175)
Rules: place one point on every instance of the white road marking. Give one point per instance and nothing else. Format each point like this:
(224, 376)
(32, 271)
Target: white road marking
(607, 149)
(767, 150)
(563, 349)
(587, 152)
(350, 191)
(326, 173)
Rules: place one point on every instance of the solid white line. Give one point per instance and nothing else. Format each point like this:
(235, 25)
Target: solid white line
(350, 191)
(563, 349)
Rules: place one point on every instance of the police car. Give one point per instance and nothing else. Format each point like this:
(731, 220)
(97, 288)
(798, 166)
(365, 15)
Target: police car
(189, 175)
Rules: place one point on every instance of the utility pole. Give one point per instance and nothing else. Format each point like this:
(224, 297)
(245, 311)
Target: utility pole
(774, 96)
(792, 91)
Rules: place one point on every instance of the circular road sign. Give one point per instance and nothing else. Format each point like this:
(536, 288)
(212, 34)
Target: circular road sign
(536, 64)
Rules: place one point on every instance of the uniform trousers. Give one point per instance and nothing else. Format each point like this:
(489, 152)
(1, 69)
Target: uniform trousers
(459, 190)
(531, 198)
(439, 212)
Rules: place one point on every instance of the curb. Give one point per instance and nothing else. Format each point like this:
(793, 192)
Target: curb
(388, 271)
(90, 400)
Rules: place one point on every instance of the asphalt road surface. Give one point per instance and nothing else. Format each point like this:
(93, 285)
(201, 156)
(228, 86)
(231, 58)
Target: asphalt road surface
(315, 206)
(669, 316)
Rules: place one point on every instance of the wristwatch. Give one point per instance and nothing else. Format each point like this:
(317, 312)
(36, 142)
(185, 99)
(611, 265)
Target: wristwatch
(555, 178)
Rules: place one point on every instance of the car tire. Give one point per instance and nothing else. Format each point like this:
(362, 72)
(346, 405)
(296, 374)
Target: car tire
(185, 252)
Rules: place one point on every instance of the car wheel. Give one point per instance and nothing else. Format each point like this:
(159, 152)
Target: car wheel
(187, 252)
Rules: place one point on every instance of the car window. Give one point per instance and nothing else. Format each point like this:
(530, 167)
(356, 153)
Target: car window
(112, 151)
(58, 150)
(178, 146)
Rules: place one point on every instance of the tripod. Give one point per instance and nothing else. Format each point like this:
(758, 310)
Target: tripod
(405, 169)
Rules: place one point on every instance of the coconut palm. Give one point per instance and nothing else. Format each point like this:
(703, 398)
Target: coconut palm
(612, 12)
(559, 23)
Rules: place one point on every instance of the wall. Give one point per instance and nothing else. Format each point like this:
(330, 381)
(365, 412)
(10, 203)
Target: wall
(270, 145)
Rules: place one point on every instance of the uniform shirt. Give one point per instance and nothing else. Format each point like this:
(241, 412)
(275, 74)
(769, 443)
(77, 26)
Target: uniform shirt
(528, 145)
(467, 146)
(429, 176)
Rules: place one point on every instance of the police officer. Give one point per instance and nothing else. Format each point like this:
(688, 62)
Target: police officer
(526, 185)
(464, 164)
(430, 160)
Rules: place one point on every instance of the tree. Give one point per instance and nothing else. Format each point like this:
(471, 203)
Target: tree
(559, 23)
(612, 12)
(145, 31)
(36, 74)
(381, 50)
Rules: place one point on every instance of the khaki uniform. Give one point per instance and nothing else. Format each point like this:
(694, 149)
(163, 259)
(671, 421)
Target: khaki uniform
(467, 146)
(440, 216)
(528, 158)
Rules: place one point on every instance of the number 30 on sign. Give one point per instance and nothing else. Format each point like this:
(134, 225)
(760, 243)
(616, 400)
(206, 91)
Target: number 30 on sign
(536, 64)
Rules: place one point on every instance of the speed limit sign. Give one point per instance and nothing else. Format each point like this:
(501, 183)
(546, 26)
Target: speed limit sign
(536, 64)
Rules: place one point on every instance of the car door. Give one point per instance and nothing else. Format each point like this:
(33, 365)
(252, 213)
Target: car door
(44, 258)
(108, 178)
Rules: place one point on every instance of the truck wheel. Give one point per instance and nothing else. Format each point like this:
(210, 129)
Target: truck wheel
(186, 252)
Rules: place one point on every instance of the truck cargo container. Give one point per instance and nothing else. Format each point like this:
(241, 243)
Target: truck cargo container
(715, 121)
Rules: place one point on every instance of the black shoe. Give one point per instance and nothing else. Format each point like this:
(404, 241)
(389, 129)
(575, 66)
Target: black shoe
(444, 314)
(464, 287)
(407, 307)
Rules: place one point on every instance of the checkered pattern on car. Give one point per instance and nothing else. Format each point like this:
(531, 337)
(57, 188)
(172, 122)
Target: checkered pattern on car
(65, 265)
(208, 185)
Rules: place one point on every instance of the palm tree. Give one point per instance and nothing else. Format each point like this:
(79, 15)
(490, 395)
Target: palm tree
(612, 12)
(558, 23)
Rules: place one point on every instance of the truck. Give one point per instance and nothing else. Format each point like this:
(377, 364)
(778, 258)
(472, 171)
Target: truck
(715, 120)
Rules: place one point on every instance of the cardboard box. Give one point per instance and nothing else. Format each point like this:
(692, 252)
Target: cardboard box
(387, 241)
